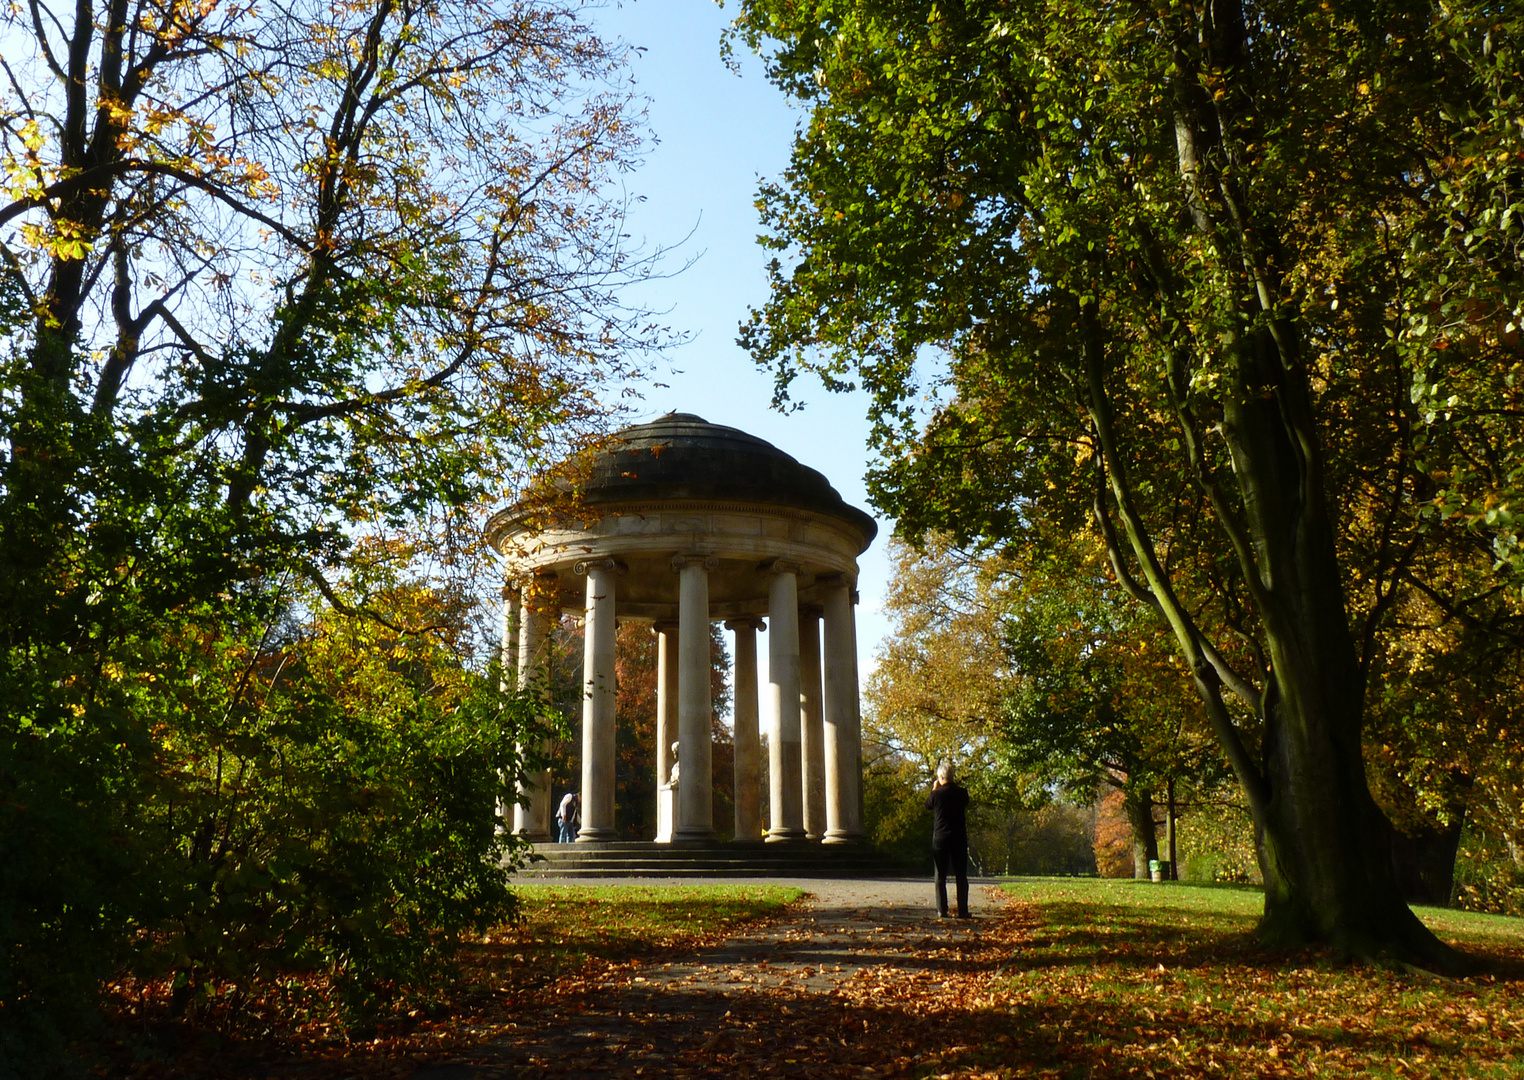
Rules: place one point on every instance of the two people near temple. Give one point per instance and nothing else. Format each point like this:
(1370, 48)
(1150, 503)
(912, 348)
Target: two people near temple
(569, 817)
(948, 804)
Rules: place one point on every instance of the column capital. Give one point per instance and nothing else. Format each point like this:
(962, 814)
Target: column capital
(664, 626)
(781, 566)
(836, 577)
(751, 622)
(683, 560)
(582, 566)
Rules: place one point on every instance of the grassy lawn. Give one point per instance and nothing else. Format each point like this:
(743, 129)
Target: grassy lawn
(1129, 978)
(289, 1026)
(1075, 979)
(564, 928)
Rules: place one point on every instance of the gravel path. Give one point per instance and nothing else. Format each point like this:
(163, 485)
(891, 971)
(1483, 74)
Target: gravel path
(711, 1012)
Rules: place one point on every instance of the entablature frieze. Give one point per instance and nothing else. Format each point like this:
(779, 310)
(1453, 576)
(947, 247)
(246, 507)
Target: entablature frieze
(692, 518)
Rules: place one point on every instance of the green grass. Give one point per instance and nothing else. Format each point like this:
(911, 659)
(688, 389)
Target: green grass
(562, 927)
(1473, 929)
(1170, 978)
(1239, 906)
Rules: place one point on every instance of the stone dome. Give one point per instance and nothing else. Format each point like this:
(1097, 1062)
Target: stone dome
(683, 456)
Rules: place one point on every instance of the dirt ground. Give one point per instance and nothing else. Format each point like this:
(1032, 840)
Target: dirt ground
(772, 1000)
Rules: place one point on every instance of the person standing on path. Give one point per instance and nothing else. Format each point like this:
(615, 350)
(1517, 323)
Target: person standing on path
(949, 837)
(569, 817)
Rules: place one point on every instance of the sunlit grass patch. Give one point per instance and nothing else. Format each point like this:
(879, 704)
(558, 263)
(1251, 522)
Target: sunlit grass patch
(1134, 978)
(562, 927)
(1493, 933)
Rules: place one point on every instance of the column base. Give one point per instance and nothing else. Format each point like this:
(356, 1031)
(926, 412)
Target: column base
(840, 837)
(666, 810)
(596, 836)
(534, 836)
(691, 832)
(786, 836)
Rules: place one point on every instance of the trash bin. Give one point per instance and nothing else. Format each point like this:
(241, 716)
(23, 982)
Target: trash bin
(1155, 870)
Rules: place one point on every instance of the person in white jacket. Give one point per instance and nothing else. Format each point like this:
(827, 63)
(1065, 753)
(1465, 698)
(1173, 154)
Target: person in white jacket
(569, 817)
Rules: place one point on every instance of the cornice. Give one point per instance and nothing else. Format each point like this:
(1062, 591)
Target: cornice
(502, 524)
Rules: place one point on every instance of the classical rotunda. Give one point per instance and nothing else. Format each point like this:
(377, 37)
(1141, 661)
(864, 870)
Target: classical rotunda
(682, 523)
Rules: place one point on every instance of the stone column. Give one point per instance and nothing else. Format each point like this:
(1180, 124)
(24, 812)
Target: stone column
(843, 723)
(508, 678)
(508, 656)
(695, 703)
(666, 726)
(537, 615)
(748, 741)
(784, 758)
(811, 730)
(598, 702)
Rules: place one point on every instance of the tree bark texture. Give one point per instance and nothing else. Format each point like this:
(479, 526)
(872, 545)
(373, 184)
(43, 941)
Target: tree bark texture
(1425, 863)
(1145, 835)
(1170, 820)
(1325, 850)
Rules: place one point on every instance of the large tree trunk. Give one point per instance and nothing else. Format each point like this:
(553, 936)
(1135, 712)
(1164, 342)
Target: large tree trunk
(1171, 819)
(1325, 845)
(1139, 806)
(1424, 862)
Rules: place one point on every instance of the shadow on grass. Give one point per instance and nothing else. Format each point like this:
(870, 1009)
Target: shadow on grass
(1065, 989)
(1075, 935)
(1120, 1022)
(664, 1032)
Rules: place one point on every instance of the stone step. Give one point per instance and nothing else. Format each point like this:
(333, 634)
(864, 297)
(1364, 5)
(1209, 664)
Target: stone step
(647, 859)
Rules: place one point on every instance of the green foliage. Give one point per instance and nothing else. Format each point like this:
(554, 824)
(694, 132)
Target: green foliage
(1146, 270)
(1462, 246)
(1032, 673)
(332, 803)
(277, 288)
(320, 798)
(1096, 696)
(1217, 842)
(894, 806)
(1489, 875)
(1055, 840)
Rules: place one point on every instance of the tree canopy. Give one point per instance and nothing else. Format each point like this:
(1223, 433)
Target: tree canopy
(287, 294)
(1165, 269)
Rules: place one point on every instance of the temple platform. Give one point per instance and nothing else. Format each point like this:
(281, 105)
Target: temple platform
(712, 859)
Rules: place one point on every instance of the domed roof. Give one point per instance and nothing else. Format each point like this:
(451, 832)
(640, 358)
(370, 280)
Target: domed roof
(683, 456)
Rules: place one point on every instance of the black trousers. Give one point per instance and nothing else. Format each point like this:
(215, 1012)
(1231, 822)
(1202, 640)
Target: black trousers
(954, 860)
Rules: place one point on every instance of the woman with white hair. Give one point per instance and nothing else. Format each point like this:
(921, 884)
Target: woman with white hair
(949, 837)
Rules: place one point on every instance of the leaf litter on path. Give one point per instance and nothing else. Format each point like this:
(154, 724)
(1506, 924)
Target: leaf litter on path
(1060, 984)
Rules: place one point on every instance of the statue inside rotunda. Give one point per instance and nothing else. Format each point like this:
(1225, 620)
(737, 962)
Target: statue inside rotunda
(682, 525)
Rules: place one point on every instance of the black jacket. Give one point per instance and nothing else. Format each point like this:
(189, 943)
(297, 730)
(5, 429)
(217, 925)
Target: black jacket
(949, 816)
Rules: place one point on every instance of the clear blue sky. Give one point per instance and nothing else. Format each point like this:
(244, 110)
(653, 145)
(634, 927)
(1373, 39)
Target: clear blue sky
(718, 134)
